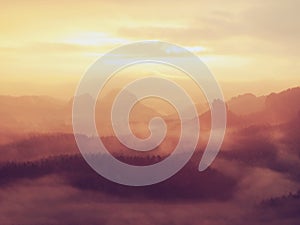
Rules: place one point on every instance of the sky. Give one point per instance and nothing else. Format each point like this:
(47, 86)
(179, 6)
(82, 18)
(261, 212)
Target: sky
(249, 46)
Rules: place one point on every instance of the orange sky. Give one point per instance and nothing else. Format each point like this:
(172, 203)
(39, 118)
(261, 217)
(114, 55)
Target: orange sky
(250, 46)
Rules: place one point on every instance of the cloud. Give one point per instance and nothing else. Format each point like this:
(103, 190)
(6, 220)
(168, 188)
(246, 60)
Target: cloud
(258, 28)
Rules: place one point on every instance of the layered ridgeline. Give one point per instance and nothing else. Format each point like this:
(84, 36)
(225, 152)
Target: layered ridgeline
(42, 114)
(39, 126)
